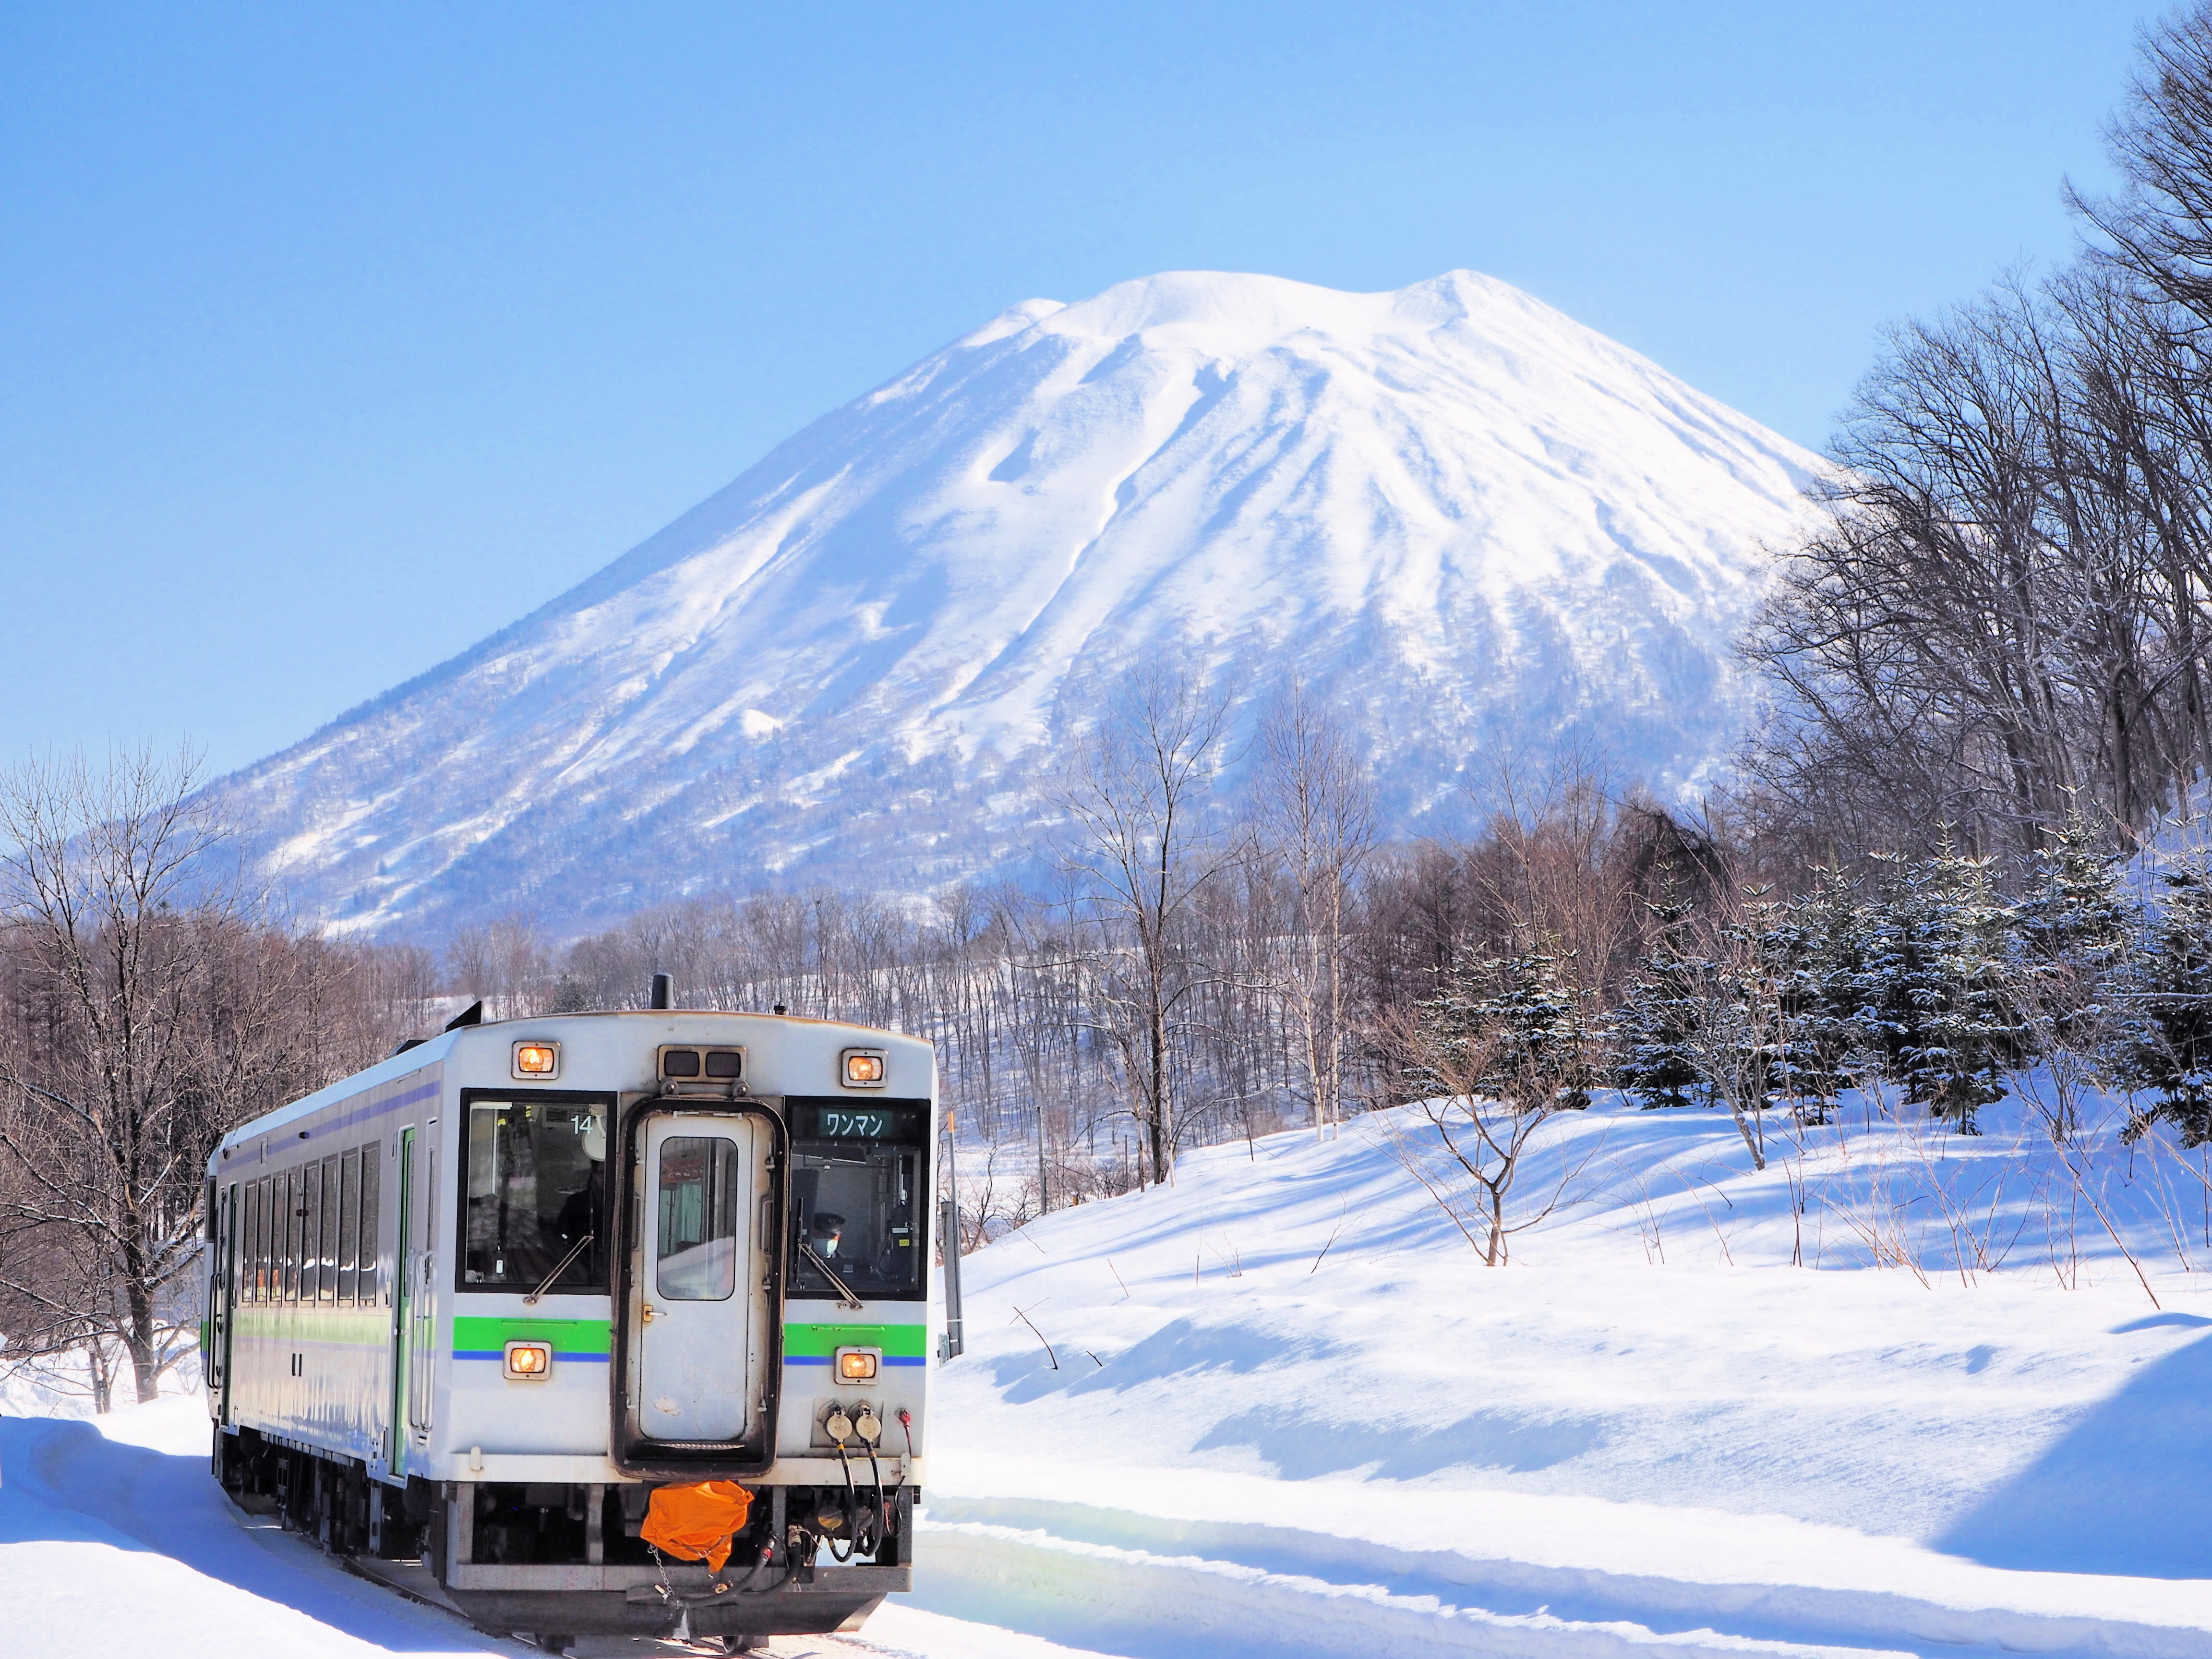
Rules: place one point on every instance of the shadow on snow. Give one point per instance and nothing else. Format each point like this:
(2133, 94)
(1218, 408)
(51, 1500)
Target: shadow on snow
(2124, 1491)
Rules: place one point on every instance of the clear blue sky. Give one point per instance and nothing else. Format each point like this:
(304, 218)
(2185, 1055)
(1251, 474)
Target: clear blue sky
(334, 336)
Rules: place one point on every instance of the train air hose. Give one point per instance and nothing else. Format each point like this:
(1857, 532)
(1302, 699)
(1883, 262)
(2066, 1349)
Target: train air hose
(883, 1510)
(852, 1510)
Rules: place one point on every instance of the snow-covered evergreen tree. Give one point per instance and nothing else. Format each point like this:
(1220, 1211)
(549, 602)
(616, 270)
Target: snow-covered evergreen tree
(1760, 978)
(1936, 986)
(1515, 1027)
(2077, 927)
(1655, 1030)
(2073, 909)
(1817, 949)
(2168, 1055)
(1975, 1035)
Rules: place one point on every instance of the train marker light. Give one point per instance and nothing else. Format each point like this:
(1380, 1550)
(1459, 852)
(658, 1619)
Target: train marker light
(863, 1068)
(534, 1059)
(858, 1364)
(529, 1362)
(686, 1064)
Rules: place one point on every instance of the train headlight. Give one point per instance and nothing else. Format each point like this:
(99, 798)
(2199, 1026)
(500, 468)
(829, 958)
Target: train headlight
(533, 1059)
(859, 1364)
(863, 1068)
(529, 1362)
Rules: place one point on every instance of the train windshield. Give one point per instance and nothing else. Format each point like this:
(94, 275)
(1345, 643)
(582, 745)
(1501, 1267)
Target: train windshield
(856, 1175)
(537, 1190)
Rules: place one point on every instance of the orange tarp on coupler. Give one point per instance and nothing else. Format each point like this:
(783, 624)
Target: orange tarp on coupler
(696, 1524)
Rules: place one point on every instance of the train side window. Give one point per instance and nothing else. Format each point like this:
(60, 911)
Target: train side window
(348, 1222)
(372, 1157)
(311, 1234)
(303, 1232)
(233, 1241)
(261, 1240)
(310, 1230)
(293, 1217)
(242, 1285)
(295, 1230)
(333, 1224)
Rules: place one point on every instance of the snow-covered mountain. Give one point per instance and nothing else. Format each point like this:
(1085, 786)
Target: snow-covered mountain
(1461, 517)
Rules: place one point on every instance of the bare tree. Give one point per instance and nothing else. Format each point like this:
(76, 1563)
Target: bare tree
(119, 1073)
(1496, 1055)
(1314, 812)
(1135, 791)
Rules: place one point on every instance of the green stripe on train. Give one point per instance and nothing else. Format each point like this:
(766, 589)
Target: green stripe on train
(821, 1341)
(481, 1335)
(368, 1327)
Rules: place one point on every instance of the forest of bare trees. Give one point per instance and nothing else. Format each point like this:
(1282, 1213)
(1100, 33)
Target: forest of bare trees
(2007, 613)
(147, 1004)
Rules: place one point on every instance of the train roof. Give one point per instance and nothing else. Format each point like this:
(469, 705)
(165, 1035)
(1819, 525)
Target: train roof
(430, 1050)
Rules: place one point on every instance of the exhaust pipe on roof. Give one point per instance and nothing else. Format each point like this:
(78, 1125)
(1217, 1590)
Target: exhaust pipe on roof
(664, 991)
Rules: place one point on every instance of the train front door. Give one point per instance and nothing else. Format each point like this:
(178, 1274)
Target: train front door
(694, 1275)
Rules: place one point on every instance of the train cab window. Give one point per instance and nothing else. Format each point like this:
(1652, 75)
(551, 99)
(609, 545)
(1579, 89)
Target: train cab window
(536, 1191)
(856, 1175)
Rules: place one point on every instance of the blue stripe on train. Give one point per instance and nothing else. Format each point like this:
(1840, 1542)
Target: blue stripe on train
(601, 1359)
(822, 1359)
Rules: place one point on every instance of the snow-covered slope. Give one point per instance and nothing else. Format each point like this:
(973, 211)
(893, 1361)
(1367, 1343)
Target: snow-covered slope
(1281, 1409)
(1466, 520)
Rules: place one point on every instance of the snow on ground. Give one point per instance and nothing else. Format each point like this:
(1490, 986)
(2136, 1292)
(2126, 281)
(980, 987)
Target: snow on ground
(1649, 1424)
(113, 1533)
(1280, 1408)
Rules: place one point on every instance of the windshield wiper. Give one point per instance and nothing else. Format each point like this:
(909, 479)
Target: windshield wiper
(559, 1268)
(831, 1274)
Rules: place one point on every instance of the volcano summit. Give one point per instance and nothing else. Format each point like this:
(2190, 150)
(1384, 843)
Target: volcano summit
(1458, 516)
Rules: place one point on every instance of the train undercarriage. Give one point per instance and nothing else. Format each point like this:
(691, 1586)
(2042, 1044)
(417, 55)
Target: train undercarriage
(554, 1560)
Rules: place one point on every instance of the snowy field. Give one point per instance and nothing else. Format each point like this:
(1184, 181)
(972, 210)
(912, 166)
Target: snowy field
(1901, 1392)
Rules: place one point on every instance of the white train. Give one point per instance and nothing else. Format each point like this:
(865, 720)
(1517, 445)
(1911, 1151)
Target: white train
(476, 1305)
